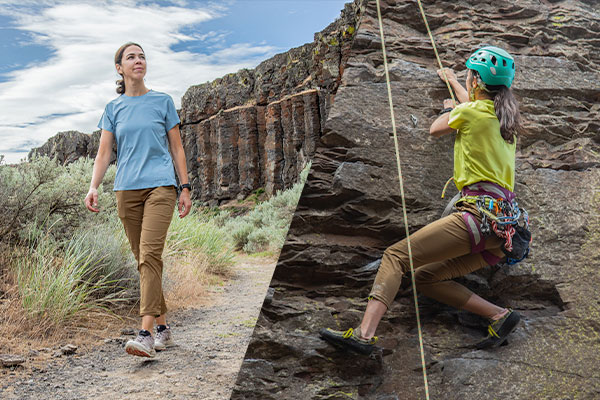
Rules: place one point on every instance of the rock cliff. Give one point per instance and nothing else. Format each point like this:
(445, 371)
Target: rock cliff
(68, 146)
(258, 128)
(350, 211)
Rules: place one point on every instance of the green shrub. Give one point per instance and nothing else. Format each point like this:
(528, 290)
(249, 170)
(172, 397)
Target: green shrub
(221, 218)
(43, 190)
(239, 230)
(262, 239)
(57, 281)
(265, 227)
(198, 233)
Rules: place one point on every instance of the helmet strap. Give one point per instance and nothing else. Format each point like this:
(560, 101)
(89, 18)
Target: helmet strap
(480, 85)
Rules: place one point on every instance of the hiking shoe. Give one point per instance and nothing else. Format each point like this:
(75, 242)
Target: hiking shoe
(349, 339)
(142, 345)
(499, 330)
(164, 339)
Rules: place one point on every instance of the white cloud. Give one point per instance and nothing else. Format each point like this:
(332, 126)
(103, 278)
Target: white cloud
(78, 80)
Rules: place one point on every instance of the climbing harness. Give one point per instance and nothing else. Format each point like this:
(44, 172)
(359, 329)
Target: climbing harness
(501, 215)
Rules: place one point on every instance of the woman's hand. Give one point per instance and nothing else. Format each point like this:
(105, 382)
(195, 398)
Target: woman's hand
(91, 200)
(461, 93)
(449, 74)
(448, 103)
(185, 203)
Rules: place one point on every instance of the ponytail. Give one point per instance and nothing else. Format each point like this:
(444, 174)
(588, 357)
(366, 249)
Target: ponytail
(120, 86)
(506, 106)
(507, 111)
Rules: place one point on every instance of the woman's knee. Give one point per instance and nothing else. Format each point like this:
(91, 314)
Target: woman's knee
(424, 277)
(396, 259)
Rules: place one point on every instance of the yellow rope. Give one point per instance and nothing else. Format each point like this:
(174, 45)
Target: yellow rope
(389, 88)
(437, 56)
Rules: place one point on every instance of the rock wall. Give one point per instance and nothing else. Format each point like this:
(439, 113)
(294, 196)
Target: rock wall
(243, 148)
(258, 128)
(350, 211)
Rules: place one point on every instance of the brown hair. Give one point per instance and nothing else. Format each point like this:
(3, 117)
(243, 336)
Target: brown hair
(118, 59)
(506, 106)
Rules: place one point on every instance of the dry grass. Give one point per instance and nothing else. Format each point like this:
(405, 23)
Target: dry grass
(19, 334)
(187, 275)
(186, 279)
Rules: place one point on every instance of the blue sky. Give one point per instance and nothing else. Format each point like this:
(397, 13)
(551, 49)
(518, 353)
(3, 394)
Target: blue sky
(57, 71)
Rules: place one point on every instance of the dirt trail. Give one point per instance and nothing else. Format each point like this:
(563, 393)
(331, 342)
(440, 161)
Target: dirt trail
(211, 342)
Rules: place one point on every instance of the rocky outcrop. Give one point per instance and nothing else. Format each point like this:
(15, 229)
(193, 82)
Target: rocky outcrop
(244, 148)
(71, 145)
(258, 128)
(350, 211)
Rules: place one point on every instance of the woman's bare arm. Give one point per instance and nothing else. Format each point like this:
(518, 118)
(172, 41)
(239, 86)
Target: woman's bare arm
(178, 154)
(100, 166)
(440, 126)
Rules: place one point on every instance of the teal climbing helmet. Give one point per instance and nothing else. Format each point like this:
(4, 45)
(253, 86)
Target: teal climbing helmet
(495, 66)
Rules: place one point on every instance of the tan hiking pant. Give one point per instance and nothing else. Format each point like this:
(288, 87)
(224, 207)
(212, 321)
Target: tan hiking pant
(441, 251)
(146, 215)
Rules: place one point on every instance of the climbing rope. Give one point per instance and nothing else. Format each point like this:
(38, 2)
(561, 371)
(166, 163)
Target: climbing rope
(398, 163)
(437, 56)
(389, 89)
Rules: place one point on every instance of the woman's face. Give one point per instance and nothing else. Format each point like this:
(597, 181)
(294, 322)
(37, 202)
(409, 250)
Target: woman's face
(133, 63)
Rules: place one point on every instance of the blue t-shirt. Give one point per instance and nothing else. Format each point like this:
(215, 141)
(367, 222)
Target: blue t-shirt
(139, 125)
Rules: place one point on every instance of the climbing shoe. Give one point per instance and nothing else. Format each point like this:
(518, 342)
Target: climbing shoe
(499, 330)
(349, 339)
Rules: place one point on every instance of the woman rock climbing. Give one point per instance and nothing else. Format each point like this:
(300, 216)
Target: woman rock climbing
(487, 121)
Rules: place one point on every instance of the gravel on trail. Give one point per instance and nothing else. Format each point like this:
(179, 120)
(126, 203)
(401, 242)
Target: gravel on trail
(211, 343)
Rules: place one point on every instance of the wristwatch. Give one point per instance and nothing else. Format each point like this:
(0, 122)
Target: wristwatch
(445, 110)
(184, 186)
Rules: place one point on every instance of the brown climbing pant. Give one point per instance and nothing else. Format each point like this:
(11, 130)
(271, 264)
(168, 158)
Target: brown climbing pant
(441, 251)
(146, 215)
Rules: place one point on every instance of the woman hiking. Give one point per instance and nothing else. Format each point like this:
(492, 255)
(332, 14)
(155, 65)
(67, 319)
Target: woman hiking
(145, 125)
(487, 121)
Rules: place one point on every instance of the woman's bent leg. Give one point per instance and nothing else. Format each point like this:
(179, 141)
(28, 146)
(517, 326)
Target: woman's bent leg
(441, 240)
(373, 313)
(435, 281)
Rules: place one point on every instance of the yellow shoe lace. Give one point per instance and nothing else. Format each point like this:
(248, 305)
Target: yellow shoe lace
(492, 332)
(350, 332)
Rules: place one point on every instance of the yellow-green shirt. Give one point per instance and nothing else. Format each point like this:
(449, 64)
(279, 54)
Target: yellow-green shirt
(480, 152)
